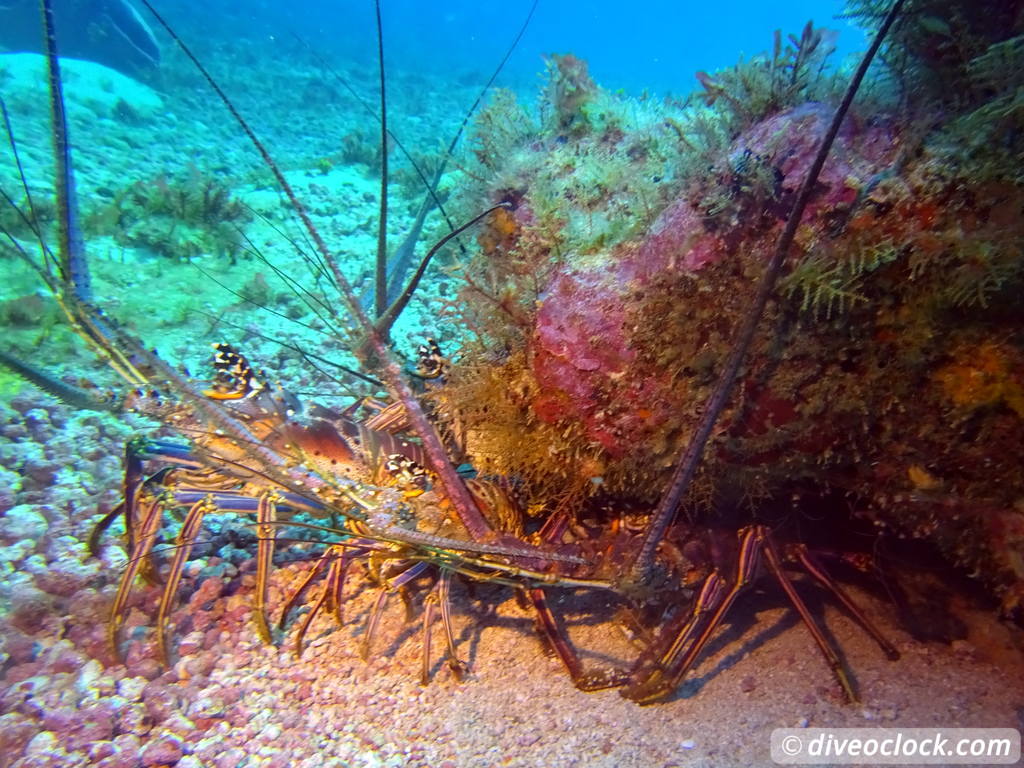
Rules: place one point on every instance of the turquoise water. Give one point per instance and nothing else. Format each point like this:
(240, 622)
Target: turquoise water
(648, 45)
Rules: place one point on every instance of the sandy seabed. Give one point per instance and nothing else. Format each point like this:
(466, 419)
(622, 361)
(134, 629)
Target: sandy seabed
(229, 700)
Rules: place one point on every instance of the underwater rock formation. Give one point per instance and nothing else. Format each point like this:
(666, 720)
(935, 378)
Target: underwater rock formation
(586, 339)
(888, 373)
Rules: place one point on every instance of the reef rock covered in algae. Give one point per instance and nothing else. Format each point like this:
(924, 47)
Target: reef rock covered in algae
(888, 373)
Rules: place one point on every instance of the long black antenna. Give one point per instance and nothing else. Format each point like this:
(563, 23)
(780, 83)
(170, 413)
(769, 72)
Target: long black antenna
(71, 251)
(380, 295)
(690, 459)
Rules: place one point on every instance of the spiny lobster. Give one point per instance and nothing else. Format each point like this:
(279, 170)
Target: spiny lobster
(400, 500)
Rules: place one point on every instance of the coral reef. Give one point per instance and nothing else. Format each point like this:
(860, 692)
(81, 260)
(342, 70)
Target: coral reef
(887, 375)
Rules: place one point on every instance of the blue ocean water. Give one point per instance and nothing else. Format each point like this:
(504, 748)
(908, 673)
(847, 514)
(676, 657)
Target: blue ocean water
(656, 45)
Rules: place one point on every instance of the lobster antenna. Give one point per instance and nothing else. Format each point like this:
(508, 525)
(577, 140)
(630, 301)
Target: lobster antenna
(386, 320)
(430, 186)
(31, 219)
(687, 465)
(488, 84)
(75, 293)
(380, 292)
(398, 263)
(108, 339)
(73, 396)
(73, 266)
